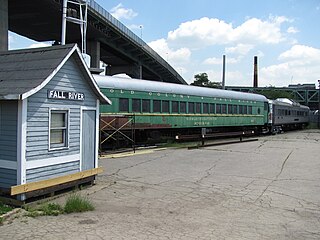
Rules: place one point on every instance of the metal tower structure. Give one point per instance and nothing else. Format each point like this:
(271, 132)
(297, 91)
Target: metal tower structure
(77, 13)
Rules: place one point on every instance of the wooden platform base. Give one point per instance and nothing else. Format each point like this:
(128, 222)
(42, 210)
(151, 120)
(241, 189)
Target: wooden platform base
(48, 188)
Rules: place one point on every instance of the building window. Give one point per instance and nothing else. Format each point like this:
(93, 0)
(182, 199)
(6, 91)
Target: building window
(123, 105)
(136, 105)
(156, 106)
(145, 105)
(58, 129)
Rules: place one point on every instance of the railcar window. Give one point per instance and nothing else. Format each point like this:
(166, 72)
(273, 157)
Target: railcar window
(183, 107)
(175, 106)
(235, 109)
(198, 107)
(230, 109)
(191, 107)
(218, 108)
(211, 108)
(250, 110)
(259, 110)
(205, 107)
(240, 109)
(223, 108)
(156, 106)
(165, 106)
(245, 110)
(123, 105)
(136, 105)
(266, 106)
(145, 105)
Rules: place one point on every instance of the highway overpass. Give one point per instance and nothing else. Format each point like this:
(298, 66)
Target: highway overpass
(108, 39)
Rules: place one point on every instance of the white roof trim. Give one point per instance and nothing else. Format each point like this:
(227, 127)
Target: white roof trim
(55, 71)
(91, 78)
(45, 82)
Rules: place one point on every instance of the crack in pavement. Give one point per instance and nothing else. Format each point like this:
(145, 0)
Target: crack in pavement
(276, 177)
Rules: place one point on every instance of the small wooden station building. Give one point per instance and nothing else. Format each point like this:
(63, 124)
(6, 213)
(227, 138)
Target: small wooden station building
(49, 119)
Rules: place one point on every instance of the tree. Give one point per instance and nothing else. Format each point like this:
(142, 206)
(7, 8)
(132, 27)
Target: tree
(202, 80)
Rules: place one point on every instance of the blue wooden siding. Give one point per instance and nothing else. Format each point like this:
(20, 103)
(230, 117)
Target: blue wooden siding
(8, 177)
(69, 78)
(48, 172)
(8, 130)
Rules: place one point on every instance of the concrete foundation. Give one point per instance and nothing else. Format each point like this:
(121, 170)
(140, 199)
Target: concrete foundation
(3, 25)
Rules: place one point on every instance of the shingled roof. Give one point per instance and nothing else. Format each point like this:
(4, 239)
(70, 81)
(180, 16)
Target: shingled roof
(25, 72)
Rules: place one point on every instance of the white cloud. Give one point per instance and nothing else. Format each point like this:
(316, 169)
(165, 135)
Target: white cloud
(38, 45)
(292, 30)
(240, 48)
(119, 12)
(300, 64)
(301, 52)
(206, 31)
(174, 57)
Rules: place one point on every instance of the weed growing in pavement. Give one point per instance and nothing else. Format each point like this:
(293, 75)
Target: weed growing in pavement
(4, 208)
(76, 203)
(49, 209)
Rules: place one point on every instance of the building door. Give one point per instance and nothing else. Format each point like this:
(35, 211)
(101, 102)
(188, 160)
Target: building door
(88, 148)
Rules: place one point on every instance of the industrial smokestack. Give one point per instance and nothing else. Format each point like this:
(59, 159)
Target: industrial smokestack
(255, 72)
(224, 72)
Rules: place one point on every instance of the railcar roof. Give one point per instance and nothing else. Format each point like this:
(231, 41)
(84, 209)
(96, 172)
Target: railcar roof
(287, 102)
(161, 87)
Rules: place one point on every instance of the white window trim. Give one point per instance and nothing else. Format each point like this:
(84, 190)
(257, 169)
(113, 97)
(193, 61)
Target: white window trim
(67, 110)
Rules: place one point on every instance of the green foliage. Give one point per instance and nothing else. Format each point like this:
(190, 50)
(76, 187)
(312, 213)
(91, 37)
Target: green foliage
(202, 80)
(76, 203)
(4, 208)
(49, 209)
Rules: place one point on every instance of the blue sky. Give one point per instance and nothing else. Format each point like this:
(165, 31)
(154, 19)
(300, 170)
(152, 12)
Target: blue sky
(193, 35)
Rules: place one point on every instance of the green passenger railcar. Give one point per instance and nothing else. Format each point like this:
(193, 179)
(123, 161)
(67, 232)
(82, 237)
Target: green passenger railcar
(158, 105)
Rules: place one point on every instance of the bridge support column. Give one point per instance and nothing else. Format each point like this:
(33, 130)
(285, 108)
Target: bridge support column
(4, 27)
(93, 49)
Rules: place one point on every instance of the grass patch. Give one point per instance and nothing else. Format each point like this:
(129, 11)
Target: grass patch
(4, 208)
(49, 209)
(76, 203)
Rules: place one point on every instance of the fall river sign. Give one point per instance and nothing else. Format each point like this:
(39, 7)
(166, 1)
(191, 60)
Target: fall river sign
(64, 95)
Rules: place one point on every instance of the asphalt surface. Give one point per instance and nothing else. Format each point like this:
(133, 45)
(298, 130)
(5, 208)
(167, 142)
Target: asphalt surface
(267, 189)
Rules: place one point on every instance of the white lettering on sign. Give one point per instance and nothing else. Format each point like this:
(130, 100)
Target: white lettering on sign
(55, 94)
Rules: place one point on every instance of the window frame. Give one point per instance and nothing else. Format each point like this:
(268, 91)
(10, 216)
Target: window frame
(145, 106)
(132, 105)
(156, 104)
(127, 104)
(66, 128)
